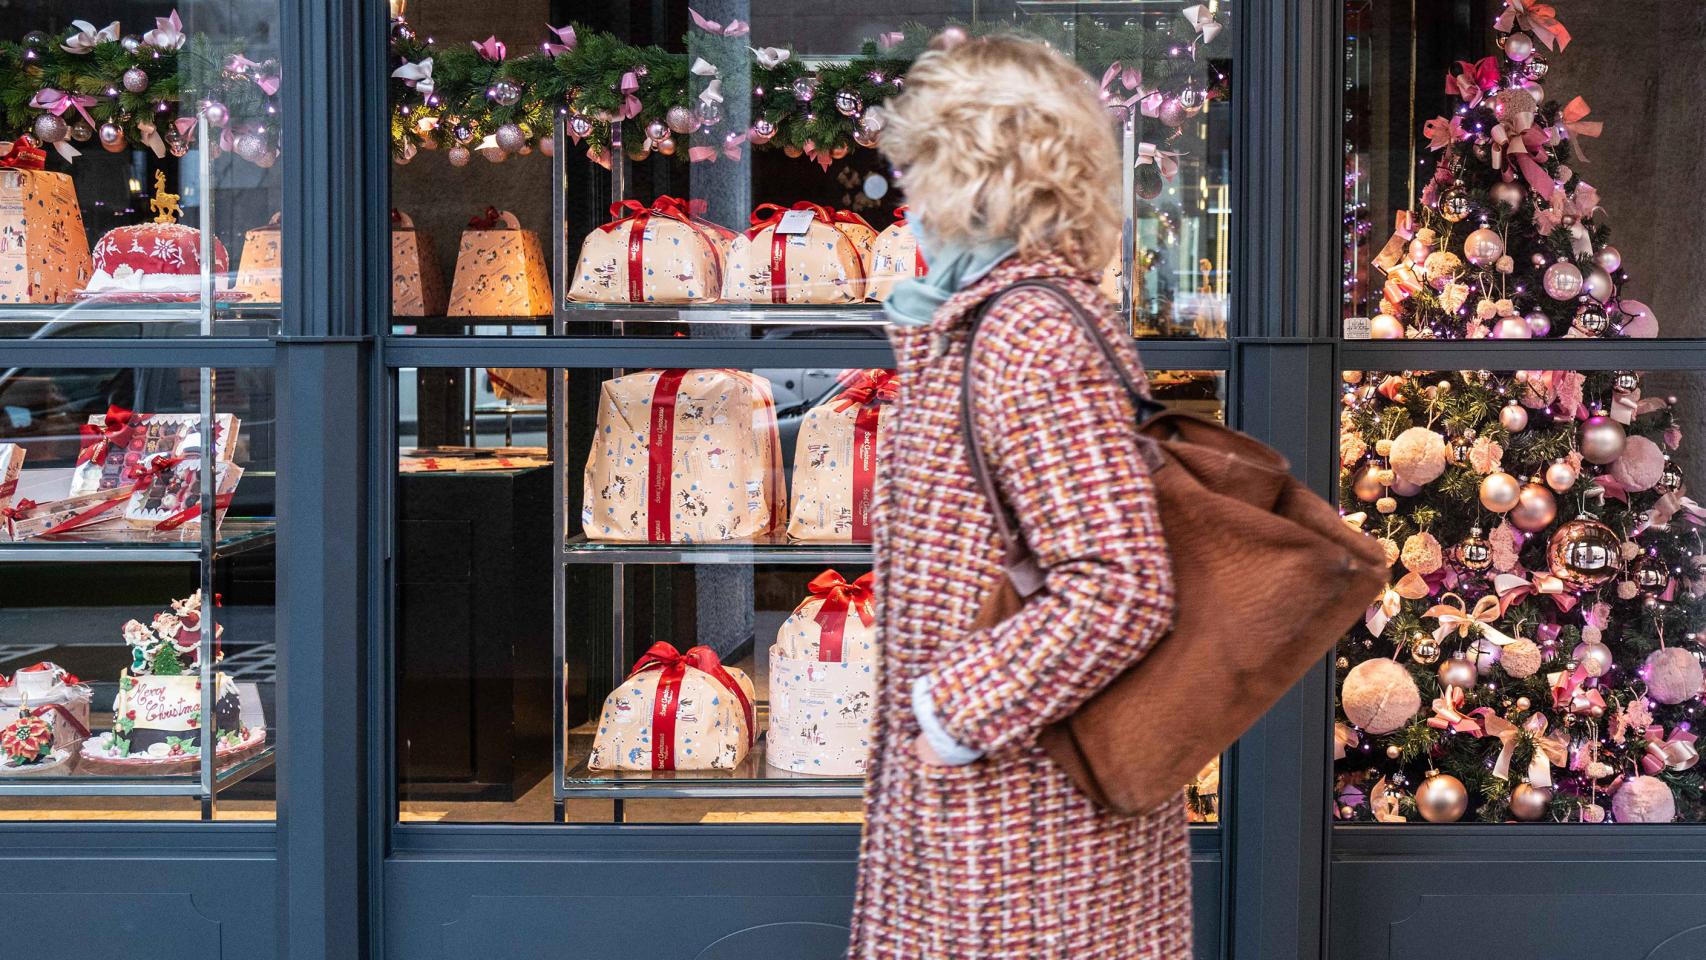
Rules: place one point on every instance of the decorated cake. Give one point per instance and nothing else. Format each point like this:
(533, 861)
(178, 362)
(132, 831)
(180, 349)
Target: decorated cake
(157, 717)
(44, 714)
(158, 260)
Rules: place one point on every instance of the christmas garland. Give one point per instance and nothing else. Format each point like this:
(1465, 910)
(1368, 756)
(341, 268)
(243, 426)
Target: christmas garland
(478, 98)
(96, 84)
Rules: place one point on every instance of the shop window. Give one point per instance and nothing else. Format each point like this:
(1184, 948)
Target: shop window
(128, 634)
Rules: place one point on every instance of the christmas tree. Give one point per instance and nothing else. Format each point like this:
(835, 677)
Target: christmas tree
(1532, 657)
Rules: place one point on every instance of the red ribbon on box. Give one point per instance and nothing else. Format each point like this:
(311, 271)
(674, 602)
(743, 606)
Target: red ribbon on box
(485, 221)
(919, 267)
(23, 156)
(98, 441)
(64, 714)
(869, 390)
(770, 215)
(667, 700)
(635, 214)
(660, 454)
(839, 597)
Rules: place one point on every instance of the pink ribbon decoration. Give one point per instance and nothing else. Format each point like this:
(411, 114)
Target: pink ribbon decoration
(1395, 249)
(770, 57)
(185, 127)
(1550, 749)
(1448, 714)
(1441, 132)
(57, 102)
(735, 28)
(1167, 161)
(1150, 105)
(1537, 18)
(1129, 77)
(1572, 127)
(1458, 619)
(565, 41)
(1666, 509)
(820, 157)
(890, 40)
(168, 33)
(1511, 588)
(1676, 752)
(1203, 22)
(599, 156)
(1570, 692)
(268, 81)
(1344, 737)
(730, 149)
(491, 48)
(1517, 139)
(630, 104)
(1473, 81)
(88, 38)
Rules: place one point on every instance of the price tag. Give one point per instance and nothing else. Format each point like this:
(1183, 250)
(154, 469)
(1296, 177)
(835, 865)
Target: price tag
(795, 222)
(1356, 328)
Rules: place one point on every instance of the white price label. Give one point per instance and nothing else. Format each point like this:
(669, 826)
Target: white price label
(1356, 328)
(795, 222)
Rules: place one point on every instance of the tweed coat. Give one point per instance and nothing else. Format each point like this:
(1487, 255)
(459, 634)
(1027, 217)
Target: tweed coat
(1004, 859)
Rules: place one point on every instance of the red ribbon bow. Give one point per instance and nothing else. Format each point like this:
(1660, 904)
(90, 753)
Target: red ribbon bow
(867, 387)
(18, 509)
(663, 656)
(839, 597)
(98, 441)
(770, 214)
(22, 156)
(486, 221)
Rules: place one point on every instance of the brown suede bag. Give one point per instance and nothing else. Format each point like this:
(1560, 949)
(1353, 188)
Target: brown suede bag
(1266, 576)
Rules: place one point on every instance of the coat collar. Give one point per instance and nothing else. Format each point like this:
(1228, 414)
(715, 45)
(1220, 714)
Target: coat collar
(1010, 271)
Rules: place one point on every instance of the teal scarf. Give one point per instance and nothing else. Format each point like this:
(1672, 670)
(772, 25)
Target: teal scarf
(913, 301)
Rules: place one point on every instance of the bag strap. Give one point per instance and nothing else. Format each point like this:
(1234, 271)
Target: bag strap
(1021, 565)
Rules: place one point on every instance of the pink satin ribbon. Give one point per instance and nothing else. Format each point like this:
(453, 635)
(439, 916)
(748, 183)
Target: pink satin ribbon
(1537, 18)
(735, 28)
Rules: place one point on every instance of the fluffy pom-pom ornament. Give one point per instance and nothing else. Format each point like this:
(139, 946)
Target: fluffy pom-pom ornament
(1383, 446)
(1442, 267)
(1389, 547)
(1379, 696)
(1418, 455)
(1386, 505)
(1643, 800)
(1640, 466)
(1520, 658)
(1351, 449)
(1673, 675)
(1423, 554)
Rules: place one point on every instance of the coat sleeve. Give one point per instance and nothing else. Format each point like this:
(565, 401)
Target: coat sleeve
(1058, 430)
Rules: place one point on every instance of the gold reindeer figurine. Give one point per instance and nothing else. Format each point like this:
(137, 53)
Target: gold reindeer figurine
(164, 205)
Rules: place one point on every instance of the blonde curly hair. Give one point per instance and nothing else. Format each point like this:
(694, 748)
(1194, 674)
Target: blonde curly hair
(1003, 138)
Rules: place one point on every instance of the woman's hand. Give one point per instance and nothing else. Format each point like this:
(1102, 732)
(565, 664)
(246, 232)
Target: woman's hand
(926, 753)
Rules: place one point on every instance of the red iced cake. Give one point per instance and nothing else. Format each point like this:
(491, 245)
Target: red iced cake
(154, 258)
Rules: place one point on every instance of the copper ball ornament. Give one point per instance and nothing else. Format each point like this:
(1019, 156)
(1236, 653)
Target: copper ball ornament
(680, 119)
(1383, 326)
(1602, 440)
(111, 137)
(1536, 508)
(1442, 798)
(1560, 476)
(666, 146)
(1366, 486)
(1500, 492)
(1650, 575)
(1475, 553)
(1562, 281)
(1584, 553)
(1528, 802)
(1671, 479)
(1424, 649)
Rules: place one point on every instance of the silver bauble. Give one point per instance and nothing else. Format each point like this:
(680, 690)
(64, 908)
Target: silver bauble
(1483, 247)
(761, 131)
(1592, 319)
(1459, 671)
(1500, 492)
(458, 155)
(863, 136)
(1608, 257)
(1514, 416)
(135, 80)
(1671, 480)
(848, 103)
(1597, 284)
(1584, 553)
(216, 113)
(1539, 324)
(1442, 798)
(1518, 46)
(1455, 204)
(1536, 68)
(1562, 281)
(81, 131)
(1474, 554)
(709, 113)
(50, 129)
(805, 88)
(510, 137)
(1561, 477)
(680, 119)
(111, 136)
(1595, 657)
(656, 130)
(1602, 440)
(506, 93)
(250, 146)
(130, 42)
(1625, 381)
(579, 126)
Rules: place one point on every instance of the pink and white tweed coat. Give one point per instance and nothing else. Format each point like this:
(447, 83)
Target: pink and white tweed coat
(1003, 859)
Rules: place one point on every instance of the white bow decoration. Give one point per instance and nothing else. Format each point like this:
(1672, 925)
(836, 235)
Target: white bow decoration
(1206, 26)
(417, 75)
(770, 57)
(87, 37)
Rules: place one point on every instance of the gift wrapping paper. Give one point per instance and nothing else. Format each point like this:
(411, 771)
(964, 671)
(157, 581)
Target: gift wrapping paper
(11, 465)
(258, 270)
(835, 462)
(823, 680)
(417, 285)
(823, 265)
(688, 456)
(676, 712)
(894, 257)
(500, 272)
(657, 255)
(26, 518)
(44, 251)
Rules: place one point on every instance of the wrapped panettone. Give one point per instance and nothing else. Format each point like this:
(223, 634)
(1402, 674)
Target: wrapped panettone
(44, 253)
(823, 680)
(894, 257)
(835, 461)
(500, 270)
(417, 285)
(661, 254)
(688, 456)
(676, 711)
(258, 272)
(798, 255)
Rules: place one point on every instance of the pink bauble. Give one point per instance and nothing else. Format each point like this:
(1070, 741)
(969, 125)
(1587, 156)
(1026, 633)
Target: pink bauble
(1507, 194)
(1536, 508)
(1511, 328)
(1483, 246)
(1514, 417)
(1539, 323)
(1640, 466)
(1384, 326)
(1562, 281)
(1673, 675)
(1608, 257)
(1597, 284)
(1500, 492)
(1560, 476)
(1643, 800)
(1405, 488)
(1603, 440)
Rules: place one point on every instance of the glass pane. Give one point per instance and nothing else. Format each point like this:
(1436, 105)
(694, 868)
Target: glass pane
(1535, 656)
(738, 580)
(655, 202)
(105, 655)
(139, 187)
(1518, 173)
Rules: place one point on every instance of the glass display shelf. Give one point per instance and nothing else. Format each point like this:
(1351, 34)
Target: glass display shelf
(96, 312)
(188, 785)
(114, 544)
(775, 549)
(785, 314)
(753, 778)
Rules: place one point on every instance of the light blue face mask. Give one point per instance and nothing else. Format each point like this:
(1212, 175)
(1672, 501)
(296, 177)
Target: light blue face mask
(913, 301)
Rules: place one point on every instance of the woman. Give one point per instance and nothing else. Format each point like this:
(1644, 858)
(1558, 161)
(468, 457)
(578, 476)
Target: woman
(976, 846)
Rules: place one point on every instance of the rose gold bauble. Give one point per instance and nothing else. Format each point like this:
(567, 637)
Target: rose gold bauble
(1500, 492)
(1528, 802)
(1595, 657)
(1603, 440)
(1584, 553)
(1442, 799)
(1384, 326)
(1560, 476)
(1536, 508)
(1483, 246)
(1459, 671)
(1514, 417)
(1366, 487)
(1511, 328)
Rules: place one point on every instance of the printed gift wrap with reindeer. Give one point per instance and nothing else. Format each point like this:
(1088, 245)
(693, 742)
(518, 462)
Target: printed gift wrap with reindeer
(807, 254)
(895, 256)
(676, 711)
(835, 461)
(44, 253)
(417, 285)
(500, 270)
(823, 680)
(665, 254)
(685, 456)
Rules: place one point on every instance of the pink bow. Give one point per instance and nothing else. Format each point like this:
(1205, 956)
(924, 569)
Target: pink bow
(57, 102)
(1550, 750)
(1572, 127)
(1627, 407)
(1458, 619)
(1473, 80)
(1448, 714)
(1581, 205)
(890, 40)
(735, 28)
(168, 33)
(630, 103)
(731, 150)
(1403, 229)
(1440, 132)
(1569, 692)
(267, 81)
(1537, 18)
(1517, 139)
(491, 48)
(1167, 161)
(1676, 752)
(185, 127)
(1666, 508)
(1511, 588)
(565, 41)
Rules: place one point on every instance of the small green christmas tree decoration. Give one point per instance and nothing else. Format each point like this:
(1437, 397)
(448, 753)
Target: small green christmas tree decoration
(166, 662)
